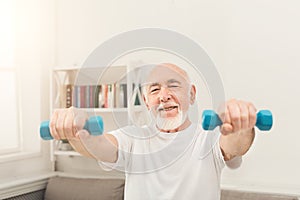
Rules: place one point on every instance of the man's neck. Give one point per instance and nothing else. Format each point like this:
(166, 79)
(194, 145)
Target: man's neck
(183, 126)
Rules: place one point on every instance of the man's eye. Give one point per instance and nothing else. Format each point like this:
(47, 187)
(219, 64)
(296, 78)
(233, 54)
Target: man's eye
(154, 90)
(173, 86)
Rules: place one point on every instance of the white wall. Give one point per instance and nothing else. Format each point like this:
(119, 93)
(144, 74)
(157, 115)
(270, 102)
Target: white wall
(254, 44)
(34, 57)
(262, 65)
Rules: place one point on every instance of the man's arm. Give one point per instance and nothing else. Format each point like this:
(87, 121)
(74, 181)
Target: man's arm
(236, 144)
(68, 124)
(237, 130)
(103, 148)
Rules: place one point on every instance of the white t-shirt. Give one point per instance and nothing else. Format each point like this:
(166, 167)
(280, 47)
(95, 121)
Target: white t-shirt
(169, 166)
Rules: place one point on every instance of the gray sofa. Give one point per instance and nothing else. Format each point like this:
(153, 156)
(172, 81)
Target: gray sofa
(242, 195)
(65, 188)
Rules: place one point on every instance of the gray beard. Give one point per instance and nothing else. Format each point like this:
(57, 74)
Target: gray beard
(173, 123)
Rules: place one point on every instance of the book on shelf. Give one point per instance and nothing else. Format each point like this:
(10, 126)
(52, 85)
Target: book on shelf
(69, 91)
(86, 96)
(104, 96)
(113, 96)
(95, 96)
(121, 93)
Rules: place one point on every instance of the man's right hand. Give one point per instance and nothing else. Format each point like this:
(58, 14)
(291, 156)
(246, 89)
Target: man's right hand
(68, 124)
(65, 123)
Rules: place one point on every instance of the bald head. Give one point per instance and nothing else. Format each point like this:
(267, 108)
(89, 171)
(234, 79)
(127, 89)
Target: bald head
(165, 71)
(176, 69)
(166, 74)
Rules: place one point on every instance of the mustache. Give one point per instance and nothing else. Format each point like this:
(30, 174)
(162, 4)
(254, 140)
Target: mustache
(162, 106)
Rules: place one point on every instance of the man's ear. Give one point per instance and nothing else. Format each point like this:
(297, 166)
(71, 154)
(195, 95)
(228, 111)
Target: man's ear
(192, 94)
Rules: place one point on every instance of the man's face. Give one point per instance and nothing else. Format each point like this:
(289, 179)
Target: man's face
(168, 95)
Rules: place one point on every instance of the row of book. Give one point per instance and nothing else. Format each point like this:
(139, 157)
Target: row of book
(96, 96)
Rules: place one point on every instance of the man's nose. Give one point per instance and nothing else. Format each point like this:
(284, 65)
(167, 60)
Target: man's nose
(164, 94)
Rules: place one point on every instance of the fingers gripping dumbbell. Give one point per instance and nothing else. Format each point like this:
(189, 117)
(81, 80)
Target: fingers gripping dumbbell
(94, 125)
(210, 120)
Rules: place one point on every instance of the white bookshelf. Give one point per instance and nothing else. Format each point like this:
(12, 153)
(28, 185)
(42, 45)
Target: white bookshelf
(113, 117)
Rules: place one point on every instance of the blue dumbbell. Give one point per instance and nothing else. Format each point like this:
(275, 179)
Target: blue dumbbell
(94, 125)
(210, 120)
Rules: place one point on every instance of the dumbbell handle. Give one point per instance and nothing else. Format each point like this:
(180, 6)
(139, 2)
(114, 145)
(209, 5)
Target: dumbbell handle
(210, 120)
(94, 125)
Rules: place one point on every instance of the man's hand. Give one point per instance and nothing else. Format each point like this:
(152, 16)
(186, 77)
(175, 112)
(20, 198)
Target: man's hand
(68, 124)
(65, 123)
(239, 118)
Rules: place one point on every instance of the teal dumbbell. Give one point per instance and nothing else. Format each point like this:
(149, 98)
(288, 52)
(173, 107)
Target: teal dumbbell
(210, 120)
(94, 125)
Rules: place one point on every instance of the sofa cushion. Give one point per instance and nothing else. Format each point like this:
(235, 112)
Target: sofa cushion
(66, 188)
(243, 195)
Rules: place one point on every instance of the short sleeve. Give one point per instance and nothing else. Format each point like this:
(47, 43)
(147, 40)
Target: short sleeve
(218, 153)
(235, 162)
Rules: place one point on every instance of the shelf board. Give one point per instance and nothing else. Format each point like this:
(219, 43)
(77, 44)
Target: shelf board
(67, 153)
(105, 110)
(111, 110)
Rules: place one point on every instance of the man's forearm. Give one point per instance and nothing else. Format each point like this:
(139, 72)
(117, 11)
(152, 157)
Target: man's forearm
(103, 147)
(236, 144)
